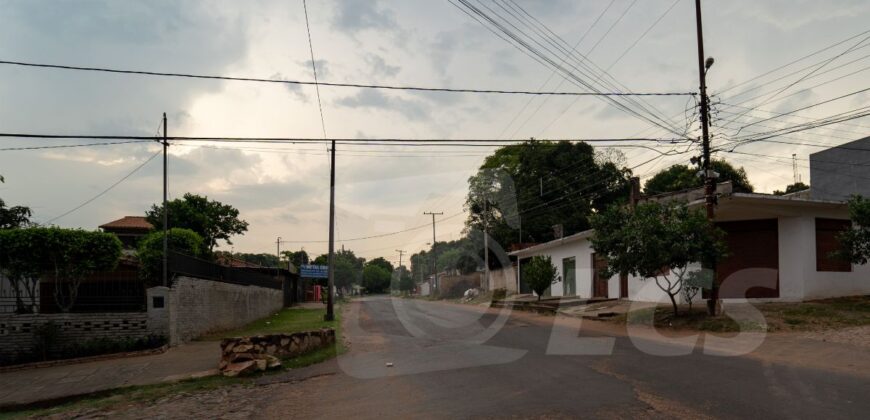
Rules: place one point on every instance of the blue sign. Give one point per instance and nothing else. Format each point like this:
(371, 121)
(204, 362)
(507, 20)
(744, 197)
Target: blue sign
(314, 271)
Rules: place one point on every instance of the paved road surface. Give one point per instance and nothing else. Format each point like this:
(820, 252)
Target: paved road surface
(451, 361)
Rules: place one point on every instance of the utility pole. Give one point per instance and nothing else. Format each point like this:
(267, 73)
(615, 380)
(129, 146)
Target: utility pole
(165, 211)
(486, 243)
(434, 264)
(400, 260)
(797, 177)
(330, 315)
(709, 177)
(278, 253)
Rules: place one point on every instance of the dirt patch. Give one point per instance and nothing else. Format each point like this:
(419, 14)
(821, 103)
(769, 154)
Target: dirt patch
(856, 336)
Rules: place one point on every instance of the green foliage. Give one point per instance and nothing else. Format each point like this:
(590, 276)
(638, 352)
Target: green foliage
(348, 267)
(855, 243)
(375, 278)
(656, 239)
(682, 177)
(406, 282)
(212, 220)
(262, 259)
(539, 273)
(383, 263)
(184, 241)
(14, 217)
(296, 257)
(68, 255)
(508, 186)
(793, 188)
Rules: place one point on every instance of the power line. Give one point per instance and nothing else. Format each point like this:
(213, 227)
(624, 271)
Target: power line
(347, 141)
(63, 146)
(329, 84)
(109, 188)
(314, 68)
(650, 28)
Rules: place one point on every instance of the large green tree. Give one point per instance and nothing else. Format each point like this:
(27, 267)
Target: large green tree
(348, 267)
(682, 177)
(522, 191)
(656, 241)
(210, 219)
(375, 278)
(150, 251)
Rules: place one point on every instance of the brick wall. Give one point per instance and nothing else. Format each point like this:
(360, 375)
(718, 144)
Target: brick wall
(197, 307)
(17, 332)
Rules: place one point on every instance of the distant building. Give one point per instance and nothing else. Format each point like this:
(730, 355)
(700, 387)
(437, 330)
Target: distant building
(841, 171)
(129, 229)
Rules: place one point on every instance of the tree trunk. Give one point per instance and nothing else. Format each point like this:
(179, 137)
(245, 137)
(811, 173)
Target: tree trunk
(674, 304)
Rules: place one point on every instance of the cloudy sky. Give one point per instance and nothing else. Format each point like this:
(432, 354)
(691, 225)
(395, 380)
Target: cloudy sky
(282, 190)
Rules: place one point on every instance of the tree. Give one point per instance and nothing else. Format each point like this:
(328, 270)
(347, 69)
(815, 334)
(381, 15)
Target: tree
(13, 217)
(67, 256)
(682, 177)
(793, 188)
(375, 278)
(212, 220)
(544, 183)
(406, 282)
(539, 273)
(855, 242)
(656, 241)
(296, 257)
(150, 251)
(383, 263)
(348, 268)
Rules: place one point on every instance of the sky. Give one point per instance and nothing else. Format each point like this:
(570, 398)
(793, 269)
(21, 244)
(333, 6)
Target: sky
(282, 190)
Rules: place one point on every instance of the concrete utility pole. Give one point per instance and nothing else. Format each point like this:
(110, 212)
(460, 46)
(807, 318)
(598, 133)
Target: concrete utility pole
(434, 264)
(486, 244)
(400, 260)
(330, 315)
(709, 176)
(165, 211)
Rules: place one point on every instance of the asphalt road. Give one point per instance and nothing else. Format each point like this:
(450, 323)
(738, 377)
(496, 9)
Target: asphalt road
(451, 361)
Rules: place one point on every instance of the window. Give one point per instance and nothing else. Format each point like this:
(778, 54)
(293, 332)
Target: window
(827, 231)
(157, 302)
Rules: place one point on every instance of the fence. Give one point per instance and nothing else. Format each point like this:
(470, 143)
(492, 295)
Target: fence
(185, 265)
(120, 290)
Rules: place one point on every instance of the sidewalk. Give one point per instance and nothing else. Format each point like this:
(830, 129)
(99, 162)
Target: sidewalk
(183, 362)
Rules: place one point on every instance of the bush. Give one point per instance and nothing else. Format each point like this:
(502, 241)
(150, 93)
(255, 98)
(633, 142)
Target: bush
(184, 241)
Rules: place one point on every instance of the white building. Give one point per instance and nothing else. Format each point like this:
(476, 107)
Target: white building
(779, 249)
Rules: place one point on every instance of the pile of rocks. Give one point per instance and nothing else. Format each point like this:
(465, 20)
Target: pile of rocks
(245, 355)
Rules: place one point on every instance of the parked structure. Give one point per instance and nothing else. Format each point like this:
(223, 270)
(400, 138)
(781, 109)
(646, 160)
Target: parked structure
(841, 171)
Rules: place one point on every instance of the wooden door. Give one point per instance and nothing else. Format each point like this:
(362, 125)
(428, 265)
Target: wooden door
(599, 282)
(752, 244)
(623, 286)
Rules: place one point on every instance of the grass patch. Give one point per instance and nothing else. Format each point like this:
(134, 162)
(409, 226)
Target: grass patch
(288, 320)
(798, 316)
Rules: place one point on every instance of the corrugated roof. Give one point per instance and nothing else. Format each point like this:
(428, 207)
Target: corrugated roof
(129, 222)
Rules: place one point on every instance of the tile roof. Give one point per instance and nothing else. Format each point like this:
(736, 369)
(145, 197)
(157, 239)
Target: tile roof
(129, 222)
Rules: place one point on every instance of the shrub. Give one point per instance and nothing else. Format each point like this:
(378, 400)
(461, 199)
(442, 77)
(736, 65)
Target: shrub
(184, 241)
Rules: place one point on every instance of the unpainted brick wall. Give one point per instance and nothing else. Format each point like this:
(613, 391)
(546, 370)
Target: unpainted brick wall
(18, 331)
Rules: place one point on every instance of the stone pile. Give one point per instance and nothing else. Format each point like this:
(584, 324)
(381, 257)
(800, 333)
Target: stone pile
(246, 355)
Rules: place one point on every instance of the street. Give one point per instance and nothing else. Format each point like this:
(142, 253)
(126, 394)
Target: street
(440, 369)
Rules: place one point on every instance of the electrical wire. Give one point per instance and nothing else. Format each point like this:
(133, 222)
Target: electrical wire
(63, 146)
(103, 192)
(341, 85)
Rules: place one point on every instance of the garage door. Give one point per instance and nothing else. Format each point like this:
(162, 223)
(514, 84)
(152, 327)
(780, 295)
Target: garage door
(753, 260)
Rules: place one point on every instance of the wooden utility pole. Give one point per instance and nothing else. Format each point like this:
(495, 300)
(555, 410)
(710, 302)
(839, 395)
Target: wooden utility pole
(709, 177)
(330, 315)
(434, 263)
(486, 244)
(278, 254)
(401, 252)
(165, 211)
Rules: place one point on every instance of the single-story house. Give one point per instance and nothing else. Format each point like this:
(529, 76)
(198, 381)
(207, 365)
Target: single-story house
(779, 249)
